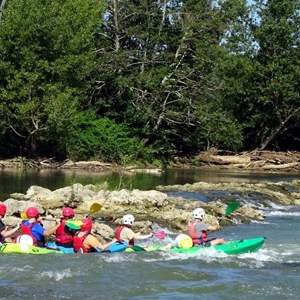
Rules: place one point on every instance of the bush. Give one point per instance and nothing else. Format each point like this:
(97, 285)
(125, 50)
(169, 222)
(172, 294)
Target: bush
(102, 139)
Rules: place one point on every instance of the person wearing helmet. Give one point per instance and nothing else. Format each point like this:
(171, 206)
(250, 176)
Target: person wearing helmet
(64, 235)
(5, 234)
(124, 232)
(198, 230)
(85, 242)
(34, 227)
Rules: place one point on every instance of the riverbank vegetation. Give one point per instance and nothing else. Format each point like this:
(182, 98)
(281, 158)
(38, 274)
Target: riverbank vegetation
(128, 81)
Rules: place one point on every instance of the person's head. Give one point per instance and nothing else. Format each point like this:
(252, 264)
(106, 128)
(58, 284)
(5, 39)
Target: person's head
(199, 213)
(32, 212)
(2, 209)
(128, 220)
(87, 225)
(68, 212)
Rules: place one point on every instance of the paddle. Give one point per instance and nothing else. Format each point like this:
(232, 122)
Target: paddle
(160, 235)
(231, 208)
(137, 248)
(77, 224)
(23, 215)
(104, 237)
(96, 207)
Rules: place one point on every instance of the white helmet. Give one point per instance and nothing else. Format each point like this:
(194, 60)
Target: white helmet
(128, 220)
(199, 213)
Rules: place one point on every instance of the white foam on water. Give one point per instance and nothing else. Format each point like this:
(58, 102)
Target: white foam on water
(119, 257)
(57, 275)
(260, 222)
(283, 213)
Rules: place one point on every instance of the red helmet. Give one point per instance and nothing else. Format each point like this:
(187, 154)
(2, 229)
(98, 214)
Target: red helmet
(87, 225)
(2, 209)
(32, 212)
(68, 212)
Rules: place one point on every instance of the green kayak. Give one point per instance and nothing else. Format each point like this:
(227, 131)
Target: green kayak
(25, 249)
(231, 248)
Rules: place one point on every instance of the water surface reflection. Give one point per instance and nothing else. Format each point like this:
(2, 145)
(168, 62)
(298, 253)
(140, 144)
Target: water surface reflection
(12, 180)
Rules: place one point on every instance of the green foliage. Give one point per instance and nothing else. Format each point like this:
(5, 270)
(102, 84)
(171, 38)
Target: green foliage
(46, 59)
(124, 81)
(101, 139)
(261, 81)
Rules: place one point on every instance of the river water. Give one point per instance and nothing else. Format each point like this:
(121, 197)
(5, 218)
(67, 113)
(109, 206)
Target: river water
(271, 273)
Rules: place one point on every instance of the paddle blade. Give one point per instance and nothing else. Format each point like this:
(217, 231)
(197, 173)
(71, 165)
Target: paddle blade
(23, 215)
(231, 208)
(160, 235)
(95, 207)
(137, 248)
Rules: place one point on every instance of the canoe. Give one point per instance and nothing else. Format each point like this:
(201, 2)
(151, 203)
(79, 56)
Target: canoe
(28, 249)
(234, 247)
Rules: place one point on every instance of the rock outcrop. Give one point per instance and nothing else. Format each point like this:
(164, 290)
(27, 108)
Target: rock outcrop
(149, 207)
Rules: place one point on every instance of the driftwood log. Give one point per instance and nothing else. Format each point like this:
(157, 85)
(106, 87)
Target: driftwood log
(255, 160)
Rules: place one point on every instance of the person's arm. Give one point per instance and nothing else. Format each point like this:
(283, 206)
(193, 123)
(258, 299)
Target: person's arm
(213, 227)
(127, 234)
(5, 233)
(94, 243)
(50, 231)
(139, 236)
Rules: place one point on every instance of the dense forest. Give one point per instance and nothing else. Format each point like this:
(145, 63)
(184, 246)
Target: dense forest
(140, 80)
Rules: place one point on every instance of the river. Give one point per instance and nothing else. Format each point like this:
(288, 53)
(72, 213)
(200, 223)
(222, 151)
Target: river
(271, 273)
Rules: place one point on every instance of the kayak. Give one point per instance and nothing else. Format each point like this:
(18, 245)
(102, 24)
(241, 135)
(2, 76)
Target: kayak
(26, 249)
(116, 247)
(52, 248)
(231, 248)
(234, 247)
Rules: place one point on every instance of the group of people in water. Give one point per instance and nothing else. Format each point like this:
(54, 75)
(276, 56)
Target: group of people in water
(82, 239)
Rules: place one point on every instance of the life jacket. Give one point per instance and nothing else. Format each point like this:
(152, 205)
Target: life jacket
(63, 238)
(26, 229)
(197, 240)
(118, 235)
(78, 245)
(2, 227)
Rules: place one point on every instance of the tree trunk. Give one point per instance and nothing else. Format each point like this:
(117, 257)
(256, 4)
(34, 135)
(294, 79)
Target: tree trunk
(2, 8)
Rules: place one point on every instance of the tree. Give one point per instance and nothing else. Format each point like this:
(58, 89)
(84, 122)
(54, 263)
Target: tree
(161, 78)
(262, 74)
(277, 69)
(46, 60)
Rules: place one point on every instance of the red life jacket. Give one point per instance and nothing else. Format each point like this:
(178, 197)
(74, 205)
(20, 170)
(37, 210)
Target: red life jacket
(118, 235)
(197, 240)
(26, 229)
(2, 227)
(63, 238)
(78, 245)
